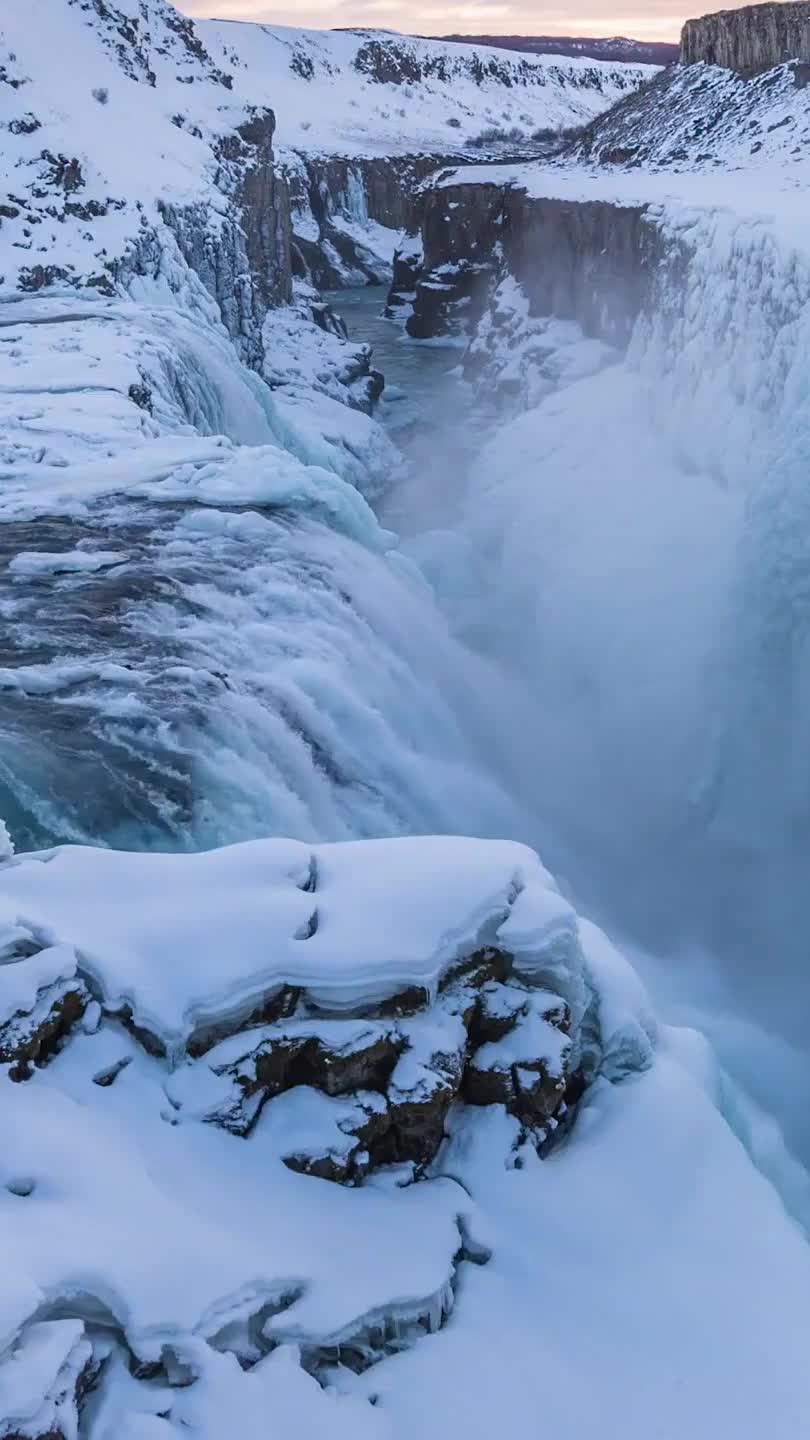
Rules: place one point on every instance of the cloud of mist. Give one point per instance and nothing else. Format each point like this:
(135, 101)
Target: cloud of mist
(642, 19)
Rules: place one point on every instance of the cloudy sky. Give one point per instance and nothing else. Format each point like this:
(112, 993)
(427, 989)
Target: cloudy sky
(643, 19)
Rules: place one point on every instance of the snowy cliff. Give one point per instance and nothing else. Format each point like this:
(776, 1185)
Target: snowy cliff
(87, 209)
(389, 110)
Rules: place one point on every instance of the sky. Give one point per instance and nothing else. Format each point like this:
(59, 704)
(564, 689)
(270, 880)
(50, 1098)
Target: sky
(641, 19)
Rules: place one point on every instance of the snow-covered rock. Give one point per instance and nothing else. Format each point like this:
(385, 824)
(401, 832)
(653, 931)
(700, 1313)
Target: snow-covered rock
(163, 1274)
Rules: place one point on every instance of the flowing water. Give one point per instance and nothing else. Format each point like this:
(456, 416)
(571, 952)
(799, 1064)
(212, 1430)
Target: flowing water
(267, 674)
(605, 621)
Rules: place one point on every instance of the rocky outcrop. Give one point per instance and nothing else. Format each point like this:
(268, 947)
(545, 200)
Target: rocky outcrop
(245, 260)
(30, 1038)
(750, 40)
(42, 999)
(347, 1096)
(336, 202)
(585, 261)
(405, 275)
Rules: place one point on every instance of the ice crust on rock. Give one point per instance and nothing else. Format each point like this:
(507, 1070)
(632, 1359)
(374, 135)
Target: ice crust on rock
(349, 926)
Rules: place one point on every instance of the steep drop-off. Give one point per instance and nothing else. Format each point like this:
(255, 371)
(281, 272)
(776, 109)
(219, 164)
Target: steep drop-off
(749, 40)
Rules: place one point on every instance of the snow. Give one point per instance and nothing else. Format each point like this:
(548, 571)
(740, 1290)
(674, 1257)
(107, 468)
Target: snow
(238, 920)
(37, 1380)
(134, 1229)
(440, 82)
(613, 1287)
(129, 1236)
(624, 1288)
(21, 979)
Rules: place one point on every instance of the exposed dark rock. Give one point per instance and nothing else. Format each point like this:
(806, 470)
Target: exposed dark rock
(527, 1070)
(325, 191)
(407, 271)
(32, 1038)
(244, 261)
(302, 64)
(39, 277)
(380, 1091)
(342, 1060)
(280, 1004)
(62, 173)
(461, 227)
(26, 125)
(141, 395)
(750, 40)
(92, 210)
(418, 1111)
(591, 262)
(108, 1077)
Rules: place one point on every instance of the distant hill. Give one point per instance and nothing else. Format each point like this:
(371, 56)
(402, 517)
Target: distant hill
(635, 52)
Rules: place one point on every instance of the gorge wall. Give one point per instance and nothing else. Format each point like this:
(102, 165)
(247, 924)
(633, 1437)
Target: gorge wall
(750, 40)
(589, 262)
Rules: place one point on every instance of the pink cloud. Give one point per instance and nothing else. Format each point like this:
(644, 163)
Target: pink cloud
(651, 20)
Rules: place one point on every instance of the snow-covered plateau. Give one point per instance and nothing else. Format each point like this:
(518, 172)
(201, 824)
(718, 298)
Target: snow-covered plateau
(318, 1115)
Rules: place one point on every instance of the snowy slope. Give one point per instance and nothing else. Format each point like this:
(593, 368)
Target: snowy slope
(78, 192)
(703, 117)
(167, 1271)
(371, 92)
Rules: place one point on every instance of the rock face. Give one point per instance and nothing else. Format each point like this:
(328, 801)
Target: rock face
(356, 1094)
(245, 262)
(750, 40)
(332, 201)
(588, 262)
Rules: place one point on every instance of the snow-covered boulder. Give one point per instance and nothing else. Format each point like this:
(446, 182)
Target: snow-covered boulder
(393, 976)
(44, 1377)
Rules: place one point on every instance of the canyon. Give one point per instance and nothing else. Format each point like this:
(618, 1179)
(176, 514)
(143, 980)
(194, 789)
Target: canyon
(403, 442)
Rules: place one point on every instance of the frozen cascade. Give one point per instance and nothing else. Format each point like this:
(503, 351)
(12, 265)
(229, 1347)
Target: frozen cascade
(266, 673)
(229, 673)
(660, 577)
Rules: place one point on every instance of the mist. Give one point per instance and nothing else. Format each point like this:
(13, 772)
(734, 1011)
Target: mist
(629, 556)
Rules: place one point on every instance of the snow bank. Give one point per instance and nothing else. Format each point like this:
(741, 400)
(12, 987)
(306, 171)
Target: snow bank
(349, 925)
(162, 1273)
